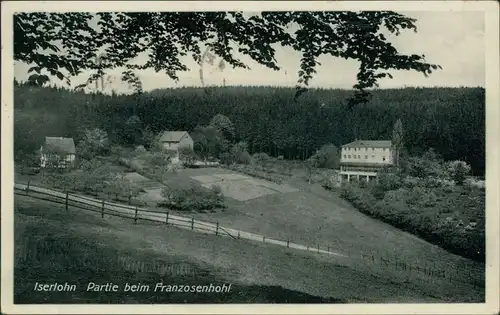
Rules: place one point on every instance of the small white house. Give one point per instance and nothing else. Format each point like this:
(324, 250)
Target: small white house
(175, 140)
(57, 152)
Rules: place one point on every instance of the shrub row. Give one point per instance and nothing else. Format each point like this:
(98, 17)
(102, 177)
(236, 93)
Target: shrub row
(272, 170)
(434, 214)
(192, 198)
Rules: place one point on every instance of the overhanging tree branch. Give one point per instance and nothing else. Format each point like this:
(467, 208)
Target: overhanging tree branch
(69, 42)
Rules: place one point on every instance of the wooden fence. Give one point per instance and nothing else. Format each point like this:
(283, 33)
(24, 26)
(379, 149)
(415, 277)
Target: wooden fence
(354, 255)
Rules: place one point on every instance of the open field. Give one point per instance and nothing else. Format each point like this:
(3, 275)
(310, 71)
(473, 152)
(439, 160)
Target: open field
(311, 215)
(80, 248)
(254, 269)
(314, 216)
(241, 187)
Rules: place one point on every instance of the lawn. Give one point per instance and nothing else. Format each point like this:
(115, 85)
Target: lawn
(78, 247)
(317, 217)
(313, 216)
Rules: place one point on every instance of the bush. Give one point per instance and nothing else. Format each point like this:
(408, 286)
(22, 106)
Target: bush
(94, 143)
(187, 155)
(458, 171)
(226, 158)
(216, 189)
(427, 165)
(378, 192)
(261, 156)
(446, 215)
(326, 157)
(158, 159)
(410, 182)
(140, 149)
(431, 182)
(192, 198)
(239, 153)
(389, 179)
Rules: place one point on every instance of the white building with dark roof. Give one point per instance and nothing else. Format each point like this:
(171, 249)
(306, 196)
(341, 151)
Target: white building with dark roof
(175, 140)
(362, 159)
(57, 152)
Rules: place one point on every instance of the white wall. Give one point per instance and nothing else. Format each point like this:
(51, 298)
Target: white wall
(171, 145)
(186, 141)
(367, 155)
(64, 159)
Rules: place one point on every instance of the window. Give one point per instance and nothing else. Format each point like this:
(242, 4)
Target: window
(373, 156)
(359, 156)
(345, 156)
(366, 157)
(349, 156)
(383, 158)
(373, 149)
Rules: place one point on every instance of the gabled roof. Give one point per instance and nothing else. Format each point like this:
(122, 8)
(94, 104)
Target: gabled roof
(369, 143)
(59, 145)
(172, 136)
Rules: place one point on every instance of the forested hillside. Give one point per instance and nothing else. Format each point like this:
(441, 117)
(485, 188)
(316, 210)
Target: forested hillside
(451, 120)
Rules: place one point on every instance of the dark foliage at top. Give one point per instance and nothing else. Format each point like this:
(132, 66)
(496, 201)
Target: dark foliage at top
(65, 44)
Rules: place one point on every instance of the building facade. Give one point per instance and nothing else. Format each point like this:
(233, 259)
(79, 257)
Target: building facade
(362, 159)
(174, 141)
(57, 152)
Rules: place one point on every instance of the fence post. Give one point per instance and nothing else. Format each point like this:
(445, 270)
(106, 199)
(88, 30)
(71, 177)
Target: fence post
(328, 249)
(318, 248)
(288, 243)
(67, 195)
(102, 209)
(166, 220)
(192, 223)
(217, 229)
(135, 218)
(238, 234)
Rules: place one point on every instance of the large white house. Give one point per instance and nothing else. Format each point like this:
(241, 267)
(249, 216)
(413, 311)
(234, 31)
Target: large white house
(362, 159)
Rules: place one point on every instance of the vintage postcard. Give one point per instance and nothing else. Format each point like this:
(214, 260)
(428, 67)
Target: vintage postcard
(250, 157)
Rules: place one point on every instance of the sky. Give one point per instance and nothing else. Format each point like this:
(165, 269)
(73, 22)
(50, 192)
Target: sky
(452, 39)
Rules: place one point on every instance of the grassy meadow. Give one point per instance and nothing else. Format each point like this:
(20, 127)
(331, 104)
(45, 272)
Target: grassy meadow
(76, 246)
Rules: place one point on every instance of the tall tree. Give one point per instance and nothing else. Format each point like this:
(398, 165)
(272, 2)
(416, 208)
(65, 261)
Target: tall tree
(224, 125)
(65, 44)
(397, 140)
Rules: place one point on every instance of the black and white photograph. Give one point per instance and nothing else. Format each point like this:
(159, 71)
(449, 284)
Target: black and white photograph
(243, 157)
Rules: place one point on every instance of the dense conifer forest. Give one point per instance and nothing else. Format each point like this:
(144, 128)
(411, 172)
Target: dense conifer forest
(450, 120)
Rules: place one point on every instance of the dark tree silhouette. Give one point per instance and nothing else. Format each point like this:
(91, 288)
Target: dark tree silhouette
(64, 44)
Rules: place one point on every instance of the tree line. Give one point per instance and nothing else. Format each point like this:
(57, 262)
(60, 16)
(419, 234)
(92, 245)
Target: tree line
(265, 119)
